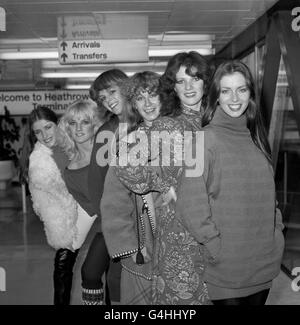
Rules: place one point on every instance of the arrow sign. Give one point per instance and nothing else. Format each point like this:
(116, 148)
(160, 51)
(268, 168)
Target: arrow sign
(64, 45)
(103, 51)
(102, 26)
(63, 35)
(64, 56)
(63, 24)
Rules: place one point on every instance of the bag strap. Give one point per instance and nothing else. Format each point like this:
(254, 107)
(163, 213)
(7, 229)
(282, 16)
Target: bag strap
(139, 255)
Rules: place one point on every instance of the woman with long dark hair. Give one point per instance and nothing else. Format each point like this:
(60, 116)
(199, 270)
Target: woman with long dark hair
(236, 192)
(51, 200)
(182, 282)
(184, 88)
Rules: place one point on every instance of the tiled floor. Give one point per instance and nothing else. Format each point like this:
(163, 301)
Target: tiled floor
(28, 261)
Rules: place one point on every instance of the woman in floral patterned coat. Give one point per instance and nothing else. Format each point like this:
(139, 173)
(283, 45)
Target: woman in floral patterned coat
(128, 219)
(178, 259)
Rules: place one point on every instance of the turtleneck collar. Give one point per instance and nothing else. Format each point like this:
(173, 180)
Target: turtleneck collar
(223, 120)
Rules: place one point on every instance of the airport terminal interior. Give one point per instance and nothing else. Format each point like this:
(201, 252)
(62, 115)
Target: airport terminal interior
(48, 57)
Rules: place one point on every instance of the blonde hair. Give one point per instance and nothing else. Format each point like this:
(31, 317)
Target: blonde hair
(87, 108)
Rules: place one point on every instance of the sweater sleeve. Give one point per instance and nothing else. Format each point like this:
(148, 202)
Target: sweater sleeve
(278, 218)
(193, 207)
(118, 225)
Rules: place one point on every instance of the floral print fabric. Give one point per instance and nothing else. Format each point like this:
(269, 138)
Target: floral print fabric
(178, 259)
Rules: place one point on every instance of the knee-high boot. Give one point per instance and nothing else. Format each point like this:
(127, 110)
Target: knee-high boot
(63, 274)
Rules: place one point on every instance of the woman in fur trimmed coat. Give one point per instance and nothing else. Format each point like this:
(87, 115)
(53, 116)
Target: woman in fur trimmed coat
(51, 200)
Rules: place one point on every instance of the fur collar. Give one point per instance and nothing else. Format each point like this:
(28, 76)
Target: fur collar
(51, 200)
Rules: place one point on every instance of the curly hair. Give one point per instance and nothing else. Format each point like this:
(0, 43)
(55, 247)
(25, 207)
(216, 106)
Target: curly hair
(196, 66)
(87, 108)
(39, 113)
(141, 81)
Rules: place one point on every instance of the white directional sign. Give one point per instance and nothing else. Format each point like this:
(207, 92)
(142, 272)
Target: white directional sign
(102, 38)
(103, 26)
(101, 51)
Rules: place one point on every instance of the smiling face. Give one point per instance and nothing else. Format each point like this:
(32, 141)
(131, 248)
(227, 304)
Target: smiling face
(112, 99)
(148, 105)
(189, 89)
(81, 128)
(45, 132)
(234, 94)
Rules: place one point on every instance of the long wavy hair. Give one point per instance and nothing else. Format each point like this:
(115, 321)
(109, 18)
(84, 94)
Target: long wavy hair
(196, 66)
(253, 115)
(131, 88)
(39, 113)
(85, 108)
(104, 81)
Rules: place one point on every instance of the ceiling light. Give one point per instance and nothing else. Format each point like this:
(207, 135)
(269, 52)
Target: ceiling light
(169, 52)
(70, 74)
(202, 39)
(54, 64)
(28, 41)
(79, 86)
(28, 55)
(154, 51)
(80, 75)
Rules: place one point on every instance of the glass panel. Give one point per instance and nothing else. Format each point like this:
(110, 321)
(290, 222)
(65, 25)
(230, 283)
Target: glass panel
(254, 60)
(249, 60)
(260, 64)
(285, 142)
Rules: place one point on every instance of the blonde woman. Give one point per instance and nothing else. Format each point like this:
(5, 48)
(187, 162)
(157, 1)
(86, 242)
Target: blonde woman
(79, 124)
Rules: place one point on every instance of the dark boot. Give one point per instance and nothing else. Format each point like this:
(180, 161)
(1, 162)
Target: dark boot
(63, 274)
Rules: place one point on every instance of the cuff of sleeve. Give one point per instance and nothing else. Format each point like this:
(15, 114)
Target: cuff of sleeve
(280, 226)
(213, 246)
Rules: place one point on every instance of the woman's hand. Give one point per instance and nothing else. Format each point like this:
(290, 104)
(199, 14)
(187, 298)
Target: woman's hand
(169, 196)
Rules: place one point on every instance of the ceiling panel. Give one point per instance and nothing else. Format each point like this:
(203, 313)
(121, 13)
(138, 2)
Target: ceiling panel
(39, 17)
(223, 19)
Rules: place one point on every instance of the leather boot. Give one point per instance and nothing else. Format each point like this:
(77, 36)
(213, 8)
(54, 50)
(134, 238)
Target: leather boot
(63, 274)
